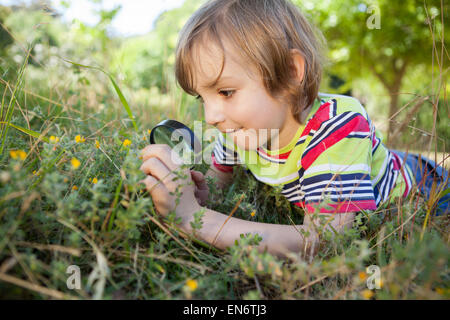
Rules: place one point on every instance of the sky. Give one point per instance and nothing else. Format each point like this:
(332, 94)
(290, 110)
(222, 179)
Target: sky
(135, 17)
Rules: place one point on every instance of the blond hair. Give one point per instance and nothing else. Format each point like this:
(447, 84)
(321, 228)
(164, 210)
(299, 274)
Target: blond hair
(265, 31)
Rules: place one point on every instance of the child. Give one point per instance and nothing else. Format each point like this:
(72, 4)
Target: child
(256, 64)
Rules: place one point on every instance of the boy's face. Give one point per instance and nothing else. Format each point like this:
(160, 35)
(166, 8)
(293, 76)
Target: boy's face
(239, 101)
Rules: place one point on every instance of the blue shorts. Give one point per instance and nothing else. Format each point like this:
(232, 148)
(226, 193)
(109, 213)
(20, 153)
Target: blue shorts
(425, 172)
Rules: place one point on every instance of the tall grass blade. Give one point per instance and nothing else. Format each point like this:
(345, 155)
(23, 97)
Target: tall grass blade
(116, 88)
(12, 102)
(32, 133)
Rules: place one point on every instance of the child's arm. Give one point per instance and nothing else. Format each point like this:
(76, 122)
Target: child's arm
(277, 239)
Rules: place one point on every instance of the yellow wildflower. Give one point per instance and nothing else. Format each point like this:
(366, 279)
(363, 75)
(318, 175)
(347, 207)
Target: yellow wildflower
(192, 284)
(367, 294)
(18, 154)
(75, 163)
(97, 144)
(126, 142)
(74, 188)
(149, 131)
(79, 139)
(54, 139)
(362, 275)
(440, 291)
(22, 154)
(94, 181)
(253, 213)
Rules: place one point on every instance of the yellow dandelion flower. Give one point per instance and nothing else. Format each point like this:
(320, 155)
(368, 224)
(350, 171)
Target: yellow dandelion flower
(75, 163)
(253, 213)
(80, 139)
(367, 294)
(362, 276)
(54, 139)
(149, 131)
(191, 284)
(74, 188)
(97, 144)
(22, 154)
(13, 154)
(94, 181)
(126, 142)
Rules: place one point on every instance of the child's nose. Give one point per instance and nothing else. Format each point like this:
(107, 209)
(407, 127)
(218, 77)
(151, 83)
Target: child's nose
(213, 113)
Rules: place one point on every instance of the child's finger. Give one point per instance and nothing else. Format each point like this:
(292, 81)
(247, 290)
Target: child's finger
(152, 184)
(164, 153)
(156, 168)
(199, 180)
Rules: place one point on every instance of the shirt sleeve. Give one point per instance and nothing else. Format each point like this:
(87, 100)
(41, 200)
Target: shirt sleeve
(224, 155)
(336, 165)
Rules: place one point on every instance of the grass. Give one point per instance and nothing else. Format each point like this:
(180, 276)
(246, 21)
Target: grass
(53, 216)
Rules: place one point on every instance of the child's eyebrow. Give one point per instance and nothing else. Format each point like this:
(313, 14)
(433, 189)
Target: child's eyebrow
(216, 83)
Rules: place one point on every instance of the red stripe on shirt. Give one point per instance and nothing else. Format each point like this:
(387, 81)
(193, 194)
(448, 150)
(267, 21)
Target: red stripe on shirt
(341, 207)
(278, 156)
(397, 166)
(322, 114)
(219, 166)
(359, 123)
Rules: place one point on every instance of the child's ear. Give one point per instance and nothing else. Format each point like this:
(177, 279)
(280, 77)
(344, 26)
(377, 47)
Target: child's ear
(298, 65)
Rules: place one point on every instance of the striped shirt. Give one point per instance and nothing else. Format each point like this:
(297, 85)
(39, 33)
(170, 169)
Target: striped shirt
(335, 163)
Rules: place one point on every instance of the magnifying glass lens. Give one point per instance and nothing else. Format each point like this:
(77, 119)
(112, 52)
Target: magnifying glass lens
(162, 135)
(180, 138)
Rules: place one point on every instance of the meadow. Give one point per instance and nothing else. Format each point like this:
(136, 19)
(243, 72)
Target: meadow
(77, 106)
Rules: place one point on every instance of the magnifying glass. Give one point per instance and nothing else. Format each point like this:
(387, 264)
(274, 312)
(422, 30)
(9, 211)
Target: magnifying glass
(180, 138)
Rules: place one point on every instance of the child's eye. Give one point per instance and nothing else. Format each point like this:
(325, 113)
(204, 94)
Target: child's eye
(227, 93)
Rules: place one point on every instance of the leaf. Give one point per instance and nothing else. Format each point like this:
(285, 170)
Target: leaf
(116, 87)
(32, 133)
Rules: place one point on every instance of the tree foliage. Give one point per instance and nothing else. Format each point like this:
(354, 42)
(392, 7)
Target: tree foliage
(385, 38)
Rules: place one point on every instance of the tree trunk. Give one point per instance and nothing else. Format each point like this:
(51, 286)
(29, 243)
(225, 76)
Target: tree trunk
(393, 108)
(394, 92)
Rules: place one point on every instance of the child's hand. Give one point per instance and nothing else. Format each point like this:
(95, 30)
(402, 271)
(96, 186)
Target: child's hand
(160, 166)
(201, 187)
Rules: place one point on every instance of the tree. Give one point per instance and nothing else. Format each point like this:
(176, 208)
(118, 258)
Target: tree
(386, 39)
(5, 37)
